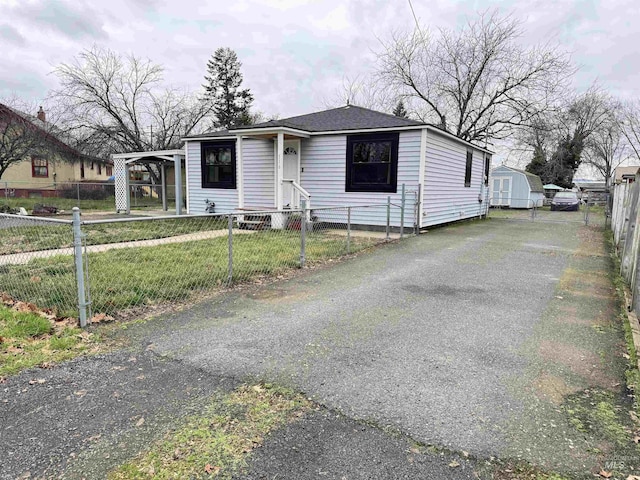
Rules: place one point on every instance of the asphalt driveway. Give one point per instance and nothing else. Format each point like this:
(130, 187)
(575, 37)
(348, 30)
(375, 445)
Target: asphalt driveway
(437, 338)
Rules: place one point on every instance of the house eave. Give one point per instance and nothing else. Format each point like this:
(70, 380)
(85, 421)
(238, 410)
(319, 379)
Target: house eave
(453, 137)
(156, 153)
(271, 131)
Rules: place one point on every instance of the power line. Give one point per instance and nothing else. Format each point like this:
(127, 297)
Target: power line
(414, 16)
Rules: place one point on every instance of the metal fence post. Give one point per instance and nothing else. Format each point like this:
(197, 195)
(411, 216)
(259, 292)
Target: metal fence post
(533, 210)
(586, 214)
(230, 267)
(388, 216)
(402, 212)
(416, 212)
(348, 229)
(77, 253)
(303, 232)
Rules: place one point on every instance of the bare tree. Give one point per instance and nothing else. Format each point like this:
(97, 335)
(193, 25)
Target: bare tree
(478, 82)
(557, 139)
(364, 91)
(629, 123)
(606, 150)
(606, 146)
(116, 104)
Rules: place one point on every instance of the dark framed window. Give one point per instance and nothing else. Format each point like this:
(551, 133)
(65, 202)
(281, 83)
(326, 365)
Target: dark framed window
(108, 170)
(39, 167)
(372, 162)
(218, 160)
(99, 169)
(487, 166)
(81, 169)
(467, 170)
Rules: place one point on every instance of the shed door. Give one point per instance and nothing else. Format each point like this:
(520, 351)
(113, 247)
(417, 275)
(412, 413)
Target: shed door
(501, 191)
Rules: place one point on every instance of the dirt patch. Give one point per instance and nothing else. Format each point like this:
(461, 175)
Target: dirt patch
(579, 361)
(591, 243)
(569, 314)
(278, 295)
(551, 387)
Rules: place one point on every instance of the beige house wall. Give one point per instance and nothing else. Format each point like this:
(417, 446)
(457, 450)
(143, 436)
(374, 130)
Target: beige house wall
(19, 175)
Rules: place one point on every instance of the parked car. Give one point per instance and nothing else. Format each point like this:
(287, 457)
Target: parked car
(565, 201)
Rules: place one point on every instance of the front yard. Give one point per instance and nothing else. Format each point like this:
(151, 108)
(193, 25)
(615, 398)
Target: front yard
(30, 338)
(139, 276)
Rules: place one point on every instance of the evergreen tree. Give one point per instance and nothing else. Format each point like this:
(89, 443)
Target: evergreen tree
(400, 111)
(539, 165)
(230, 102)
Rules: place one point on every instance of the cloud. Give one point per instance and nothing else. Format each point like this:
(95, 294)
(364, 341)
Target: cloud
(12, 35)
(72, 20)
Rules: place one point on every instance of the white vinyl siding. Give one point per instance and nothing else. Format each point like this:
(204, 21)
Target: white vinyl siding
(445, 198)
(257, 156)
(323, 165)
(226, 199)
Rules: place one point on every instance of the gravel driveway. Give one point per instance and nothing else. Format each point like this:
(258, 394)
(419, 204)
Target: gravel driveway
(424, 336)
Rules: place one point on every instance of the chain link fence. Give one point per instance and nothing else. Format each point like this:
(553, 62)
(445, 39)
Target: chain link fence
(86, 268)
(586, 212)
(40, 198)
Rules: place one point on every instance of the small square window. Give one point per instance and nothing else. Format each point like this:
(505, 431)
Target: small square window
(218, 165)
(39, 167)
(372, 163)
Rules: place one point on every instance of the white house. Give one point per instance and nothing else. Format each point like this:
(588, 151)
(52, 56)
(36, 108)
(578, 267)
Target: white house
(515, 188)
(343, 156)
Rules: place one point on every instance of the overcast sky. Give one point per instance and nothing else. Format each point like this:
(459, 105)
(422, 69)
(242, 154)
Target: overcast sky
(295, 53)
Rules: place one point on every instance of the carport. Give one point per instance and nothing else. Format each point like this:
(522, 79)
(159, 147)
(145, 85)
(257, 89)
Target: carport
(122, 163)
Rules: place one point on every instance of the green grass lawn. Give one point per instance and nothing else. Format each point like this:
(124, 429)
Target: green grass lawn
(66, 204)
(61, 203)
(217, 442)
(145, 275)
(27, 238)
(28, 339)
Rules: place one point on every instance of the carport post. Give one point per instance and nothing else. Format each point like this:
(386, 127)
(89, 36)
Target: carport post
(77, 253)
(163, 180)
(388, 216)
(127, 189)
(177, 161)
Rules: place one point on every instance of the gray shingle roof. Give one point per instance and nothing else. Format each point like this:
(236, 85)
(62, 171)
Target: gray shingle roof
(349, 117)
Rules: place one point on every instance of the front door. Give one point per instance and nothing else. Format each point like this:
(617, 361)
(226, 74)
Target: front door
(291, 171)
(501, 191)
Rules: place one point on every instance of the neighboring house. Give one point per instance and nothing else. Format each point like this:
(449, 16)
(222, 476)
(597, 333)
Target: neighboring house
(592, 191)
(625, 174)
(343, 156)
(515, 188)
(45, 174)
